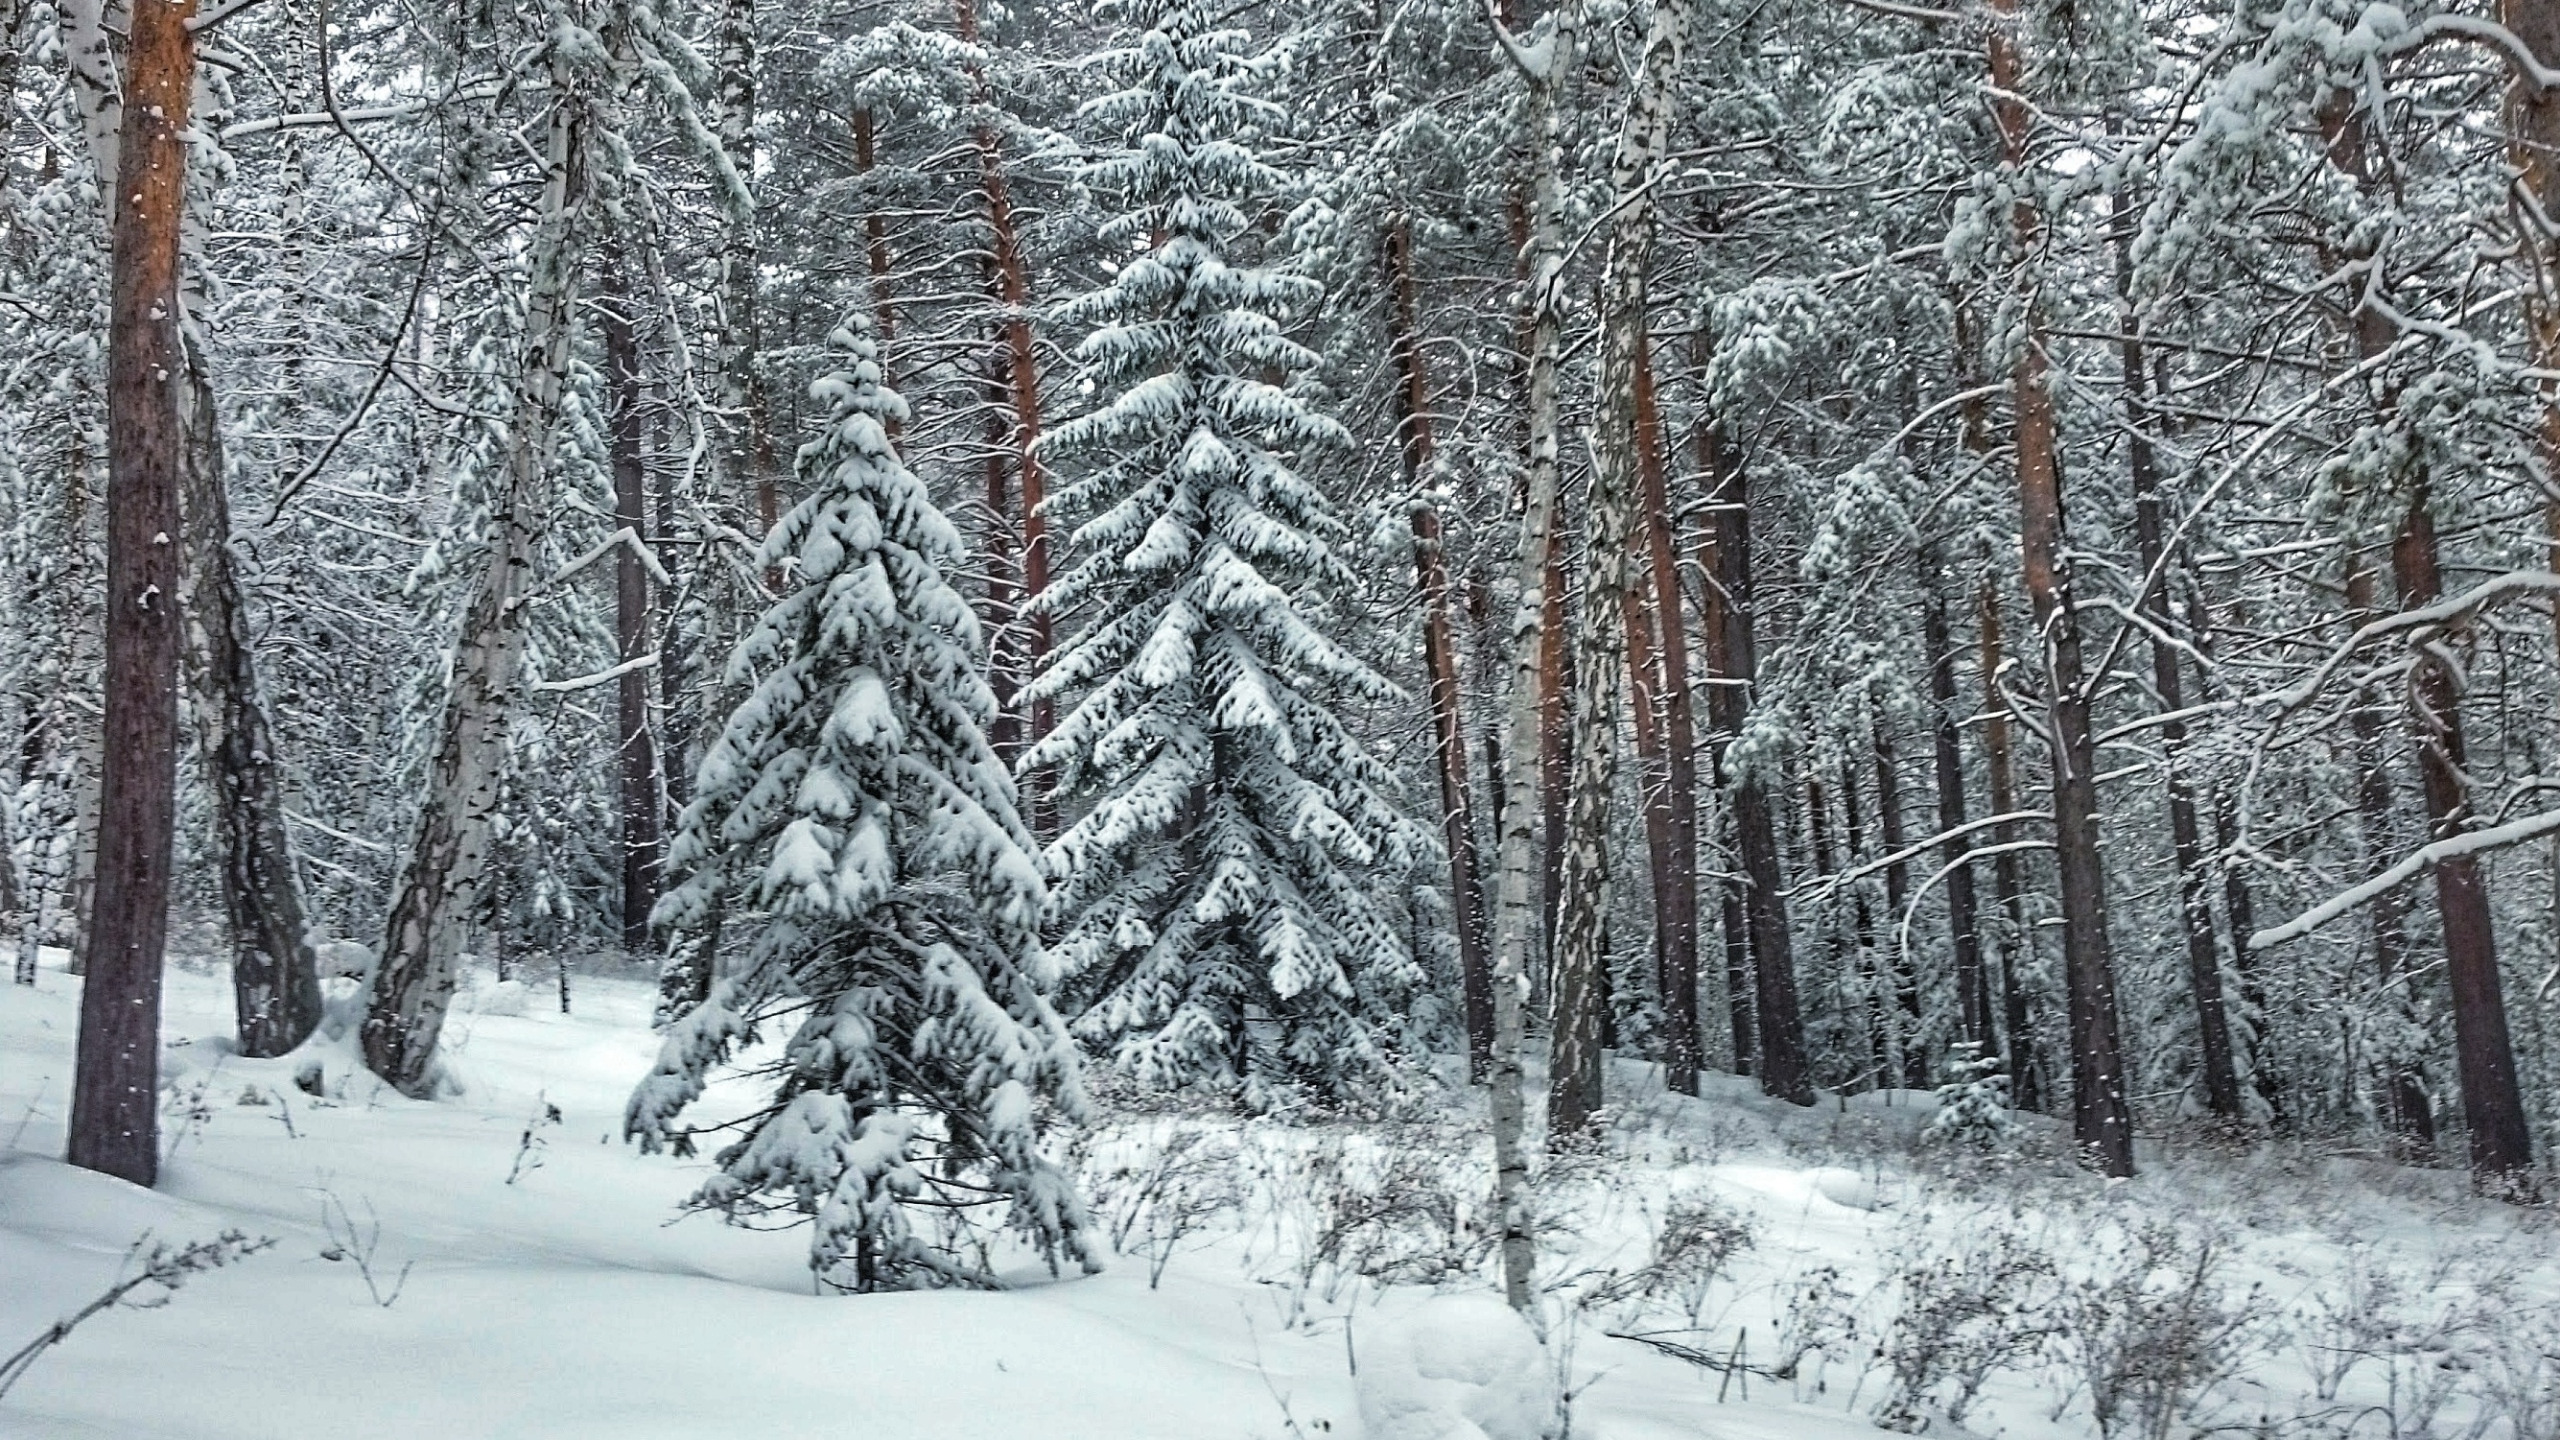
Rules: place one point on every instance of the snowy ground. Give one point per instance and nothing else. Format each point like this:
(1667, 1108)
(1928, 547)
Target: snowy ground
(2280, 1295)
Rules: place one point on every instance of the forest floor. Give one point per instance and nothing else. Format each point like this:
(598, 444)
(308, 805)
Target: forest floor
(473, 1268)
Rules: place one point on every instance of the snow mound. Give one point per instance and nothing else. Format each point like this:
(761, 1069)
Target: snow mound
(1846, 1188)
(1462, 1367)
(505, 997)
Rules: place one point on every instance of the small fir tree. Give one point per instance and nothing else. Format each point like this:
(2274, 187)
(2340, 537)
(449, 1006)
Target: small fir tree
(852, 818)
(1218, 905)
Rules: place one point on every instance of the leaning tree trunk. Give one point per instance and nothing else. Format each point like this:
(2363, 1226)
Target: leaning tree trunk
(1599, 637)
(1439, 648)
(1515, 918)
(114, 1125)
(440, 878)
(2102, 1119)
(635, 746)
(275, 982)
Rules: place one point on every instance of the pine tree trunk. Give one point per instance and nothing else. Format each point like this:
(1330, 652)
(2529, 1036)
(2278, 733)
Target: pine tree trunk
(635, 747)
(2405, 1106)
(2186, 845)
(1010, 281)
(1897, 893)
(2102, 1120)
(1515, 919)
(875, 242)
(2533, 150)
(2484, 1057)
(440, 879)
(1725, 690)
(1676, 888)
(1599, 650)
(1964, 934)
(275, 980)
(1439, 648)
(1779, 1048)
(114, 1124)
(744, 442)
(2008, 889)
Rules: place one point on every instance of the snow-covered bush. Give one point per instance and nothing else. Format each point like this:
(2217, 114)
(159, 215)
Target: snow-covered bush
(1695, 1242)
(2154, 1330)
(1979, 1300)
(1973, 1106)
(1461, 1367)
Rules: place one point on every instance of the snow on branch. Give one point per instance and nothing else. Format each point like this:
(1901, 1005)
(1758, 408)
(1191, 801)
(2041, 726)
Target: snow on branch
(601, 677)
(2454, 847)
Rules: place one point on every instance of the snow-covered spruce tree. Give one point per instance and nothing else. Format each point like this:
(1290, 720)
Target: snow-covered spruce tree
(1216, 903)
(854, 824)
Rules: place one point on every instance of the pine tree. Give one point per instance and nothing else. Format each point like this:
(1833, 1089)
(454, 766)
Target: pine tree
(853, 813)
(1215, 903)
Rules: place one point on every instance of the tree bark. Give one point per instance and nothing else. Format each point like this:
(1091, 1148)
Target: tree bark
(2008, 889)
(2102, 1120)
(440, 880)
(1779, 1048)
(1515, 920)
(1599, 651)
(2186, 845)
(275, 980)
(635, 747)
(744, 452)
(1439, 647)
(1897, 895)
(2405, 1106)
(2484, 1056)
(1725, 690)
(114, 1124)
(1964, 933)
(1676, 888)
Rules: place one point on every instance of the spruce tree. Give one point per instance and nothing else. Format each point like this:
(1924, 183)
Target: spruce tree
(1218, 901)
(852, 820)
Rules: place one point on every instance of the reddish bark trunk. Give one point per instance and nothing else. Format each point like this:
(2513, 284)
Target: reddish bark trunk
(1676, 883)
(114, 1124)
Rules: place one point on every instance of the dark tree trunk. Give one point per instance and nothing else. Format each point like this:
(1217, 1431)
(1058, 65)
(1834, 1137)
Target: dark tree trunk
(2484, 1057)
(1964, 935)
(114, 1126)
(1780, 1050)
(2102, 1119)
(1676, 886)
(2186, 845)
(1439, 650)
(2405, 1106)
(1897, 895)
(275, 982)
(2008, 889)
(1724, 721)
(635, 746)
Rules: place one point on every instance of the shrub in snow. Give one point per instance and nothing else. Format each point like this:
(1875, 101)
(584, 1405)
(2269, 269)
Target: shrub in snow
(1696, 1241)
(2154, 1331)
(1973, 1106)
(1218, 904)
(1461, 1367)
(858, 841)
(1964, 1311)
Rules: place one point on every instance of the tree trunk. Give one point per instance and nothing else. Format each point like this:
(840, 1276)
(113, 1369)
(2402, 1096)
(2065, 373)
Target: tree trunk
(1514, 918)
(114, 1124)
(1725, 691)
(2484, 1057)
(1439, 648)
(1676, 889)
(2102, 1120)
(1897, 896)
(744, 443)
(1779, 1047)
(2008, 889)
(635, 748)
(2186, 845)
(2533, 149)
(440, 880)
(275, 981)
(1599, 658)
(1964, 934)
(2405, 1106)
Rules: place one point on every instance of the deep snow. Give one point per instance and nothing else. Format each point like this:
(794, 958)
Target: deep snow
(575, 1302)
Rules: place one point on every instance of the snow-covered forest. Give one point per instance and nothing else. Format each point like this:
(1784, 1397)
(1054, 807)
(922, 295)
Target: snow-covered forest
(1437, 719)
